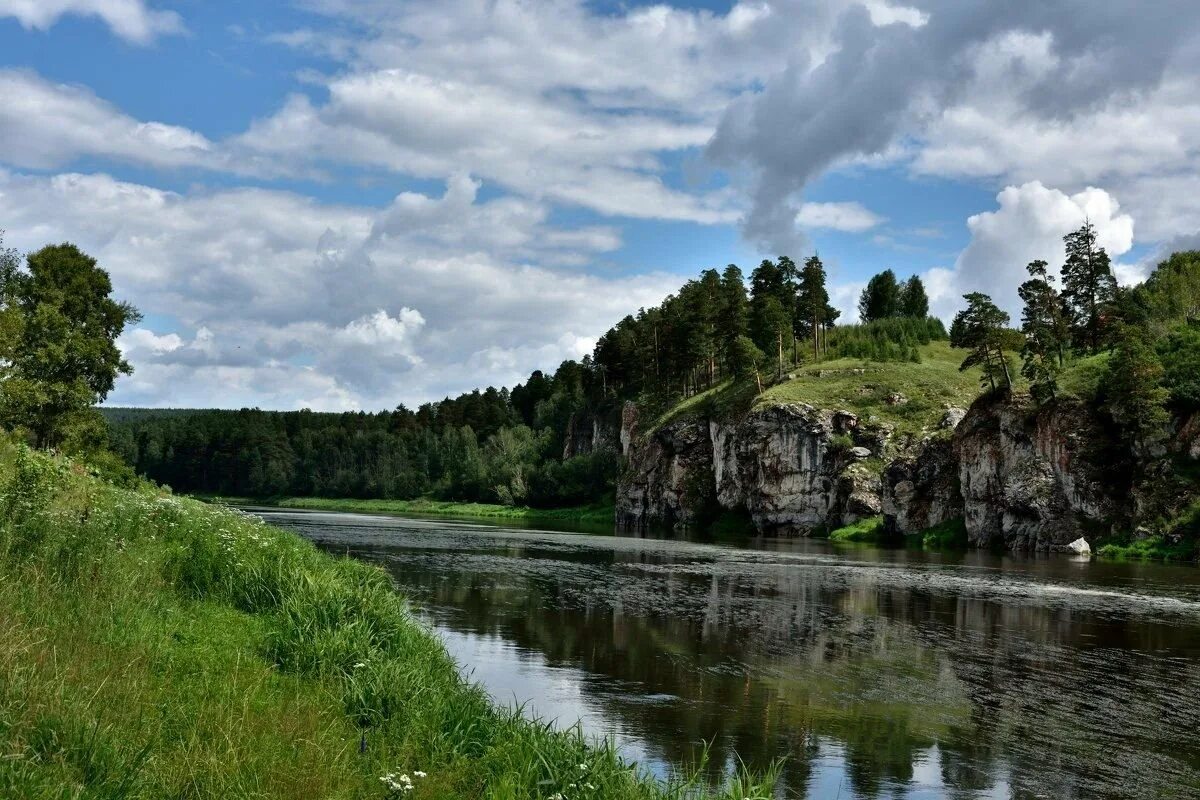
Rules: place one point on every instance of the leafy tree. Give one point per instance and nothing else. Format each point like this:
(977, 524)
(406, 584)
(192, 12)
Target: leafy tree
(913, 300)
(65, 359)
(1135, 395)
(812, 301)
(881, 297)
(981, 328)
(1180, 355)
(1089, 287)
(1047, 335)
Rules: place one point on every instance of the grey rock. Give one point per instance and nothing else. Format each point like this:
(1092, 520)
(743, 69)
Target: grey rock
(951, 418)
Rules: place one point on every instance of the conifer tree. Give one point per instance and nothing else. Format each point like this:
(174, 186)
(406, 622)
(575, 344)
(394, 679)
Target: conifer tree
(1046, 332)
(1089, 287)
(1136, 397)
(734, 316)
(981, 329)
(881, 297)
(913, 300)
(812, 301)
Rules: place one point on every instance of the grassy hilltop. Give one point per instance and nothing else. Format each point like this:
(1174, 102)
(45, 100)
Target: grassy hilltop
(152, 646)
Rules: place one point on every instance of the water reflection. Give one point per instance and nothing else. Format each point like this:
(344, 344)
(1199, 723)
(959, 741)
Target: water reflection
(873, 673)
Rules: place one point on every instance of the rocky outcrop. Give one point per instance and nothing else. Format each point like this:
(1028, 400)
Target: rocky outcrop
(794, 468)
(1020, 477)
(586, 433)
(1033, 479)
(922, 491)
(668, 478)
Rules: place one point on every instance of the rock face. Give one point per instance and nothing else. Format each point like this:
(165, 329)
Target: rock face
(668, 479)
(794, 468)
(587, 433)
(1033, 480)
(1020, 477)
(922, 491)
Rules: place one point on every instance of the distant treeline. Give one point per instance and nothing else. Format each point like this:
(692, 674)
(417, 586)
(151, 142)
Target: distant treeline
(533, 445)
(490, 446)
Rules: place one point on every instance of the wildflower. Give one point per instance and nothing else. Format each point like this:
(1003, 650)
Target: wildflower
(420, 774)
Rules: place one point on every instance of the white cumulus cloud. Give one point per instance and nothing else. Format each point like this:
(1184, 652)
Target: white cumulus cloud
(132, 20)
(1028, 225)
(850, 217)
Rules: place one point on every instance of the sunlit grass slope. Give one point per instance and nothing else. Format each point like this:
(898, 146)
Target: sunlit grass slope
(154, 647)
(868, 388)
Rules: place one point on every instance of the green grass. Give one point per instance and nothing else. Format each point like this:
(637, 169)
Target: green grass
(865, 530)
(1082, 378)
(1152, 548)
(595, 514)
(929, 386)
(154, 646)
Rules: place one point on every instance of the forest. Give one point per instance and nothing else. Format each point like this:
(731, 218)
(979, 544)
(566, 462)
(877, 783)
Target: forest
(535, 443)
(517, 446)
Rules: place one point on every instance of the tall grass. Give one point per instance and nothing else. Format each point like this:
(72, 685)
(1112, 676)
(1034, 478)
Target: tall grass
(152, 647)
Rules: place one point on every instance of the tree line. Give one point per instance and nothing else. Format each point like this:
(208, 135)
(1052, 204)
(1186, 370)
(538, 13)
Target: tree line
(1148, 336)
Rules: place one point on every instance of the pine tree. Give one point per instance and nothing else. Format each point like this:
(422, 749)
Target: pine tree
(1046, 332)
(981, 328)
(1089, 287)
(734, 316)
(812, 301)
(1136, 397)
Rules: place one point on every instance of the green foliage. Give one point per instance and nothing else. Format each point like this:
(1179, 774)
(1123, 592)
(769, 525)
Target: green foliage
(891, 339)
(948, 535)
(812, 304)
(914, 302)
(1089, 288)
(1047, 335)
(59, 333)
(157, 647)
(881, 297)
(1134, 394)
(1151, 548)
(865, 530)
(981, 328)
(1169, 296)
(1180, 355)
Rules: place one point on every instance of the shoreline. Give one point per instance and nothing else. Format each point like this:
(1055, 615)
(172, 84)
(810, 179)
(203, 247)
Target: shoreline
(593, 515)
(277, 670)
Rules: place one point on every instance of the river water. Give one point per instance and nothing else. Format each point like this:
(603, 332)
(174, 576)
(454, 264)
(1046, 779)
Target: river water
(871, 673)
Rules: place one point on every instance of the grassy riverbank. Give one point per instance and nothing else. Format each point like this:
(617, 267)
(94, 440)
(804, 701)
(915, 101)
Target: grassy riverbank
(153, 646)
(592, 515)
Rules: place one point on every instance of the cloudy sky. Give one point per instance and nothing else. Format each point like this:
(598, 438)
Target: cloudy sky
(343, 204)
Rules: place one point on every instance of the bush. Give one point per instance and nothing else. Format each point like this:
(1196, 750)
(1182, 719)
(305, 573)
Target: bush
(948, 535)
(865, 530)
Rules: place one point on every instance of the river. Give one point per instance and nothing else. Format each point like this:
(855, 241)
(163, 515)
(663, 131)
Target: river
(870, 672)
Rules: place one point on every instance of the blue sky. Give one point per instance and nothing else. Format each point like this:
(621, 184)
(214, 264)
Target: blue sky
(350, 204)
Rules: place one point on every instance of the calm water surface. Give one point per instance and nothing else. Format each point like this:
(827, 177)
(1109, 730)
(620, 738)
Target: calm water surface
(873, 673)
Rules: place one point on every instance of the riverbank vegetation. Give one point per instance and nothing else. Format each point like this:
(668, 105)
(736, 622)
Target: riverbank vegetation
(585, 515)
(154, 646)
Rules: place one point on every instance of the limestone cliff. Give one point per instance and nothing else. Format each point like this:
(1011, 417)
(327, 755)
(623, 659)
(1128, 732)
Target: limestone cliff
(794, 468)
(1020, 477)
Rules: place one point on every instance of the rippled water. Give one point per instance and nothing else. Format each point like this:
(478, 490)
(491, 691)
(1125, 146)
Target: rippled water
(873, 673)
